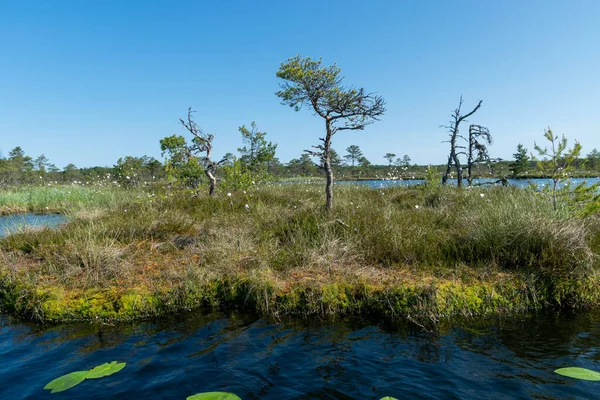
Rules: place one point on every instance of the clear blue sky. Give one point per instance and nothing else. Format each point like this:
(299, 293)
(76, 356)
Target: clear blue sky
(91, 81)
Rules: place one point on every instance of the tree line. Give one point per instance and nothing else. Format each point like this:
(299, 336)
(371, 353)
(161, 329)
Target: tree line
(304, 83)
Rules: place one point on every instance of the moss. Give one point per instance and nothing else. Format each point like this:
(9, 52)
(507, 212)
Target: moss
(431, 301)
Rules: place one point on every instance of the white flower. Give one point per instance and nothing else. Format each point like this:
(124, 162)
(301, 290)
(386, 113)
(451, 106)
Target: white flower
(244, 192)
(228, 194)
(417, 206)
(247, 207)
(481, 195)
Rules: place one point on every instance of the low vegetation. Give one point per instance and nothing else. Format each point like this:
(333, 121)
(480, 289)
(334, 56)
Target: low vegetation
(143, 239)
(421, 253)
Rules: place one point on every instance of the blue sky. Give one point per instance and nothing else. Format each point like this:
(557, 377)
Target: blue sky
(91, 81)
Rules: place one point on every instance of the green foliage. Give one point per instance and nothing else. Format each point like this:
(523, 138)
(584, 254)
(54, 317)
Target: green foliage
(432, 177)
(579, 373)
(390, 158)
(309, 80)
(364, 162)
(304, 165)
(71, 173)
(354, 154)
(72, 379)
(335, 159)
(41, 164)
(257, 152)
(311, 84)
(405, 160)
(521, 162)
(593, 159)
(18, 168)
(235, 176)
(213, 396)
(181, 164)
(557, 164)
(130, 171)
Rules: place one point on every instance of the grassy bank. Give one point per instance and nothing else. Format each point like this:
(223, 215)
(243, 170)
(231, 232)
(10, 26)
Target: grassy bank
(416, 253)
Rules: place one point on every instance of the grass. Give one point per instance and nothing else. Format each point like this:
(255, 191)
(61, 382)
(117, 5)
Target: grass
(65, 198)
(418, 253)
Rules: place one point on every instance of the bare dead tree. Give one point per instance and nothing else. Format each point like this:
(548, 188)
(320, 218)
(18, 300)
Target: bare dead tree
(479, 139)
(454, 133)
(202, 143)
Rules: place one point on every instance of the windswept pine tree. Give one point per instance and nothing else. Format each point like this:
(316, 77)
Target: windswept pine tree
(308, 83)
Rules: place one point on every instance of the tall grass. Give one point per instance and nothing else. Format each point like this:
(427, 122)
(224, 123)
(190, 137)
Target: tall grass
(62, 198)
(278, 239)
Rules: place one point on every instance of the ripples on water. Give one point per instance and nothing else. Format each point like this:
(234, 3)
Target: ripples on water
(257, 359)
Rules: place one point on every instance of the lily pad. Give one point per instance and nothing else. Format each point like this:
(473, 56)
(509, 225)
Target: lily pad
(213, 396)
(579, 373)
(66, 381)
(389, 398)
(105, 369)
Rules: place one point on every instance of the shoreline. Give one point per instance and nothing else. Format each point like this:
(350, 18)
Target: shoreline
(421, 303)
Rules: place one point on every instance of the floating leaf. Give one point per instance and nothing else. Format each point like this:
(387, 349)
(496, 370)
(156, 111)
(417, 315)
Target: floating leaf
(389, 398)
(105, 369)
(75, 378)
(579, 373)
(213, 396)
(66, 381)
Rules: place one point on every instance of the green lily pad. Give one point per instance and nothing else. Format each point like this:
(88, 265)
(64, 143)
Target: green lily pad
(389, 398)
(213, 396)
(105, 369)
(579, 373)
(66, 381)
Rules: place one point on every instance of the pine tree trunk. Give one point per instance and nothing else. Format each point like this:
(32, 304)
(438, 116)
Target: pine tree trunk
(327, 167)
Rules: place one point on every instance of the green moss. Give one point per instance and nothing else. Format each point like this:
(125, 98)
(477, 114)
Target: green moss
(441, 299)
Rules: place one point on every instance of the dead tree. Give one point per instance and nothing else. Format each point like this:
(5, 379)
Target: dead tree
(453, 130)
(202, 143)
(479, 139)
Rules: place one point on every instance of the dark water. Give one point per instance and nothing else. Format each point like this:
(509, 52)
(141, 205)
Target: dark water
(378, 184)
(257, 359)
(12, 223)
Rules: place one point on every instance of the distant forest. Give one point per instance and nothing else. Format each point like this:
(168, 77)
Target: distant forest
(18, 168)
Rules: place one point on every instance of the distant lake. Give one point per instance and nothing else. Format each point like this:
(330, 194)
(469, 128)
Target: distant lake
(378, 184)
(12, 223)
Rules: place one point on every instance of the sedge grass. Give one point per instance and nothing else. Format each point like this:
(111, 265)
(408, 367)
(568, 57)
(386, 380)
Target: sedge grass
(420, 253)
